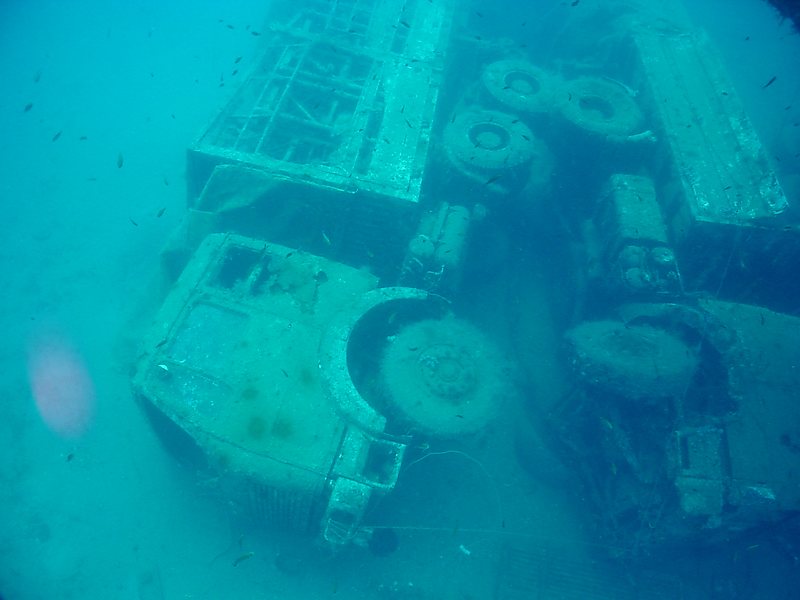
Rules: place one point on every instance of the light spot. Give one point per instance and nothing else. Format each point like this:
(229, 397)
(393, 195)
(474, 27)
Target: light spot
(61, 386)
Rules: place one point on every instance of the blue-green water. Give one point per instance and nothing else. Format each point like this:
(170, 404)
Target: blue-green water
(98, 105)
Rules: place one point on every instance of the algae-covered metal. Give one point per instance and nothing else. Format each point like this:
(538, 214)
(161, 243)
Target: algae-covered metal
(232, 361)
(343, 98)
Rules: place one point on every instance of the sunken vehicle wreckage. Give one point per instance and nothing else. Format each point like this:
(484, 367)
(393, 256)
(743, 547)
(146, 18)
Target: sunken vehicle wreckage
(306, 341)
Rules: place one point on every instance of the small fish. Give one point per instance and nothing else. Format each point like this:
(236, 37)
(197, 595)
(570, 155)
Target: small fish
(575, 2)
(769, 83)
(243, 558)
(161, 343)
(134, 223)
(56, 136)
(492, 179)
(726, 188)
(285, 374)
(255, 33)
(405, 24)
(83, 138)
(238, 60)
(229, 26)
(410, 126)
(70, 456)
(37, 76)
(28, 107)
(234, 72)
(166, 181)
(527, 138)
(326, 239)
(160, 212)
(120, 160)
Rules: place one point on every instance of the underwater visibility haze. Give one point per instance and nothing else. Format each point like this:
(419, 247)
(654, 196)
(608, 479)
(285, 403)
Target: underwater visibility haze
(400, 299)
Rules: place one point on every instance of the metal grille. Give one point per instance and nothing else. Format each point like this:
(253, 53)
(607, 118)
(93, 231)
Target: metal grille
(540, 573)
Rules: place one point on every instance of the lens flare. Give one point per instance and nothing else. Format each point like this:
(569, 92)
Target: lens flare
(61, 387)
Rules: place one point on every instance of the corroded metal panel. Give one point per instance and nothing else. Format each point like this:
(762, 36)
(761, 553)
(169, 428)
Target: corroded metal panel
(722, 168)
(726, 210)
(232, 360)
(343, 98)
